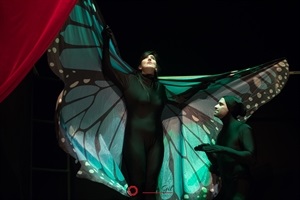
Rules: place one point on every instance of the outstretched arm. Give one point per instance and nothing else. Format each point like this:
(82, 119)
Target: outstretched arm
(116, 76)
(244, 156)
(180, 89)
(211, 157)
(246, 153)
(106, 35)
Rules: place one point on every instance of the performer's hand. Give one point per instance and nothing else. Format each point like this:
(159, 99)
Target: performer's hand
(200, 147)
(107, 33)
(214, 148)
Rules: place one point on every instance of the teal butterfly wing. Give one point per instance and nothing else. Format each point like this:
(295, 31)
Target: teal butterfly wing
(90, 111)
(185, 173)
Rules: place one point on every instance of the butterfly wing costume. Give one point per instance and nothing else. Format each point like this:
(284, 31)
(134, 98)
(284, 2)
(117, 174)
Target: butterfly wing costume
(91, 114)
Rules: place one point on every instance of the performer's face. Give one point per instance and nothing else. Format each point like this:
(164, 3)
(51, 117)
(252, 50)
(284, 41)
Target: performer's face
(221, 109)
(148, 65)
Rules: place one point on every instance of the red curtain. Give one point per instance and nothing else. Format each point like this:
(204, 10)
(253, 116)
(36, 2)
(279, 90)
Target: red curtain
(27, 29)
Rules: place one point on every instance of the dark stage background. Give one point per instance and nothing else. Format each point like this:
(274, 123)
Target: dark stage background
(192, 38)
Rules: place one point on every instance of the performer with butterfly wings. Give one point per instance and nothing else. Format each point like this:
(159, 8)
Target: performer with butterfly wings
(145, 98)
(95, 111)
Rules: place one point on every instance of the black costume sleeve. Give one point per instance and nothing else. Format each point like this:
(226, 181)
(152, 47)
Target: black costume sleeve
(247, 140)
(114, 75)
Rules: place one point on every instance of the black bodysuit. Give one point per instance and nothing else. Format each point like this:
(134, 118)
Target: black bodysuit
(143, 147)
(235, 172)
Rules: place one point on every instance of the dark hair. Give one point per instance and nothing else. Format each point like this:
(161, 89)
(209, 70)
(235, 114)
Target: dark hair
(145, 54)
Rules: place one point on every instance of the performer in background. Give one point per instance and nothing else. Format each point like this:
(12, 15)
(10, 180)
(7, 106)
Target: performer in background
(234, 154)
(95, 113)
